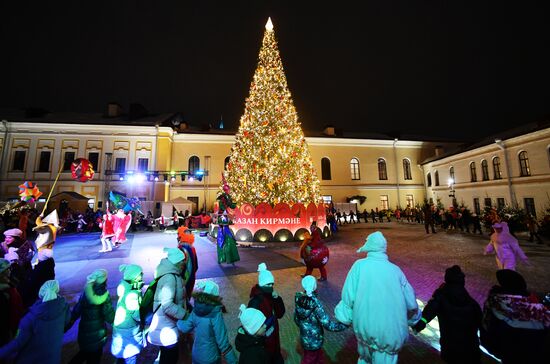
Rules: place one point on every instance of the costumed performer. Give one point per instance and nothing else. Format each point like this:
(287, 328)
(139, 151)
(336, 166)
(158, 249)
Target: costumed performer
(185, 242)
(121, 225)
(314, 253)
(505, 247)
(379, 302)
(107, 231)
(227, 245)
(46, 228)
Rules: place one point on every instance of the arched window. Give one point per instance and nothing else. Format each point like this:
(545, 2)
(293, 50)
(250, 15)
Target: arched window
(325, 169)
(473, 173)
(407, 169)
(524, 169)
(194, 164)
(436, 177)
(226, 162)
(484, 170)
(429, 179)
(382, 172)
(496, 168)
(452, 173)
(354, 166)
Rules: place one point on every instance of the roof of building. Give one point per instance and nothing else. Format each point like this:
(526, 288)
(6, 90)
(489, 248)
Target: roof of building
(502, 135)
(74, 195)
(177, 122)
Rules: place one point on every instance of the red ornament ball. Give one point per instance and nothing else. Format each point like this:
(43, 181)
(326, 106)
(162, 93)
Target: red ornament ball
(82, 170)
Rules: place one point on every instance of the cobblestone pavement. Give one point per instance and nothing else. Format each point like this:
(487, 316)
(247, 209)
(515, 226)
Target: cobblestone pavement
(423, 258)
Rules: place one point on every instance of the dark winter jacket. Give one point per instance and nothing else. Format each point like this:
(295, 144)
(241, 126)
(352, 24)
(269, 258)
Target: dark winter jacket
(515, 329)
(252, 348)
(459, 320)
(40, 336)
(311, 317)
(44, 271)
(273, 309)
(11, 311)
(206, 321)
(94, 311)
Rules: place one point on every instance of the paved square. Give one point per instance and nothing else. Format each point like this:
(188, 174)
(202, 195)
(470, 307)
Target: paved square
(423, 258)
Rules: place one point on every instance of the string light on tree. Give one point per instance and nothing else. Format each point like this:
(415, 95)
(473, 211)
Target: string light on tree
(270, 160)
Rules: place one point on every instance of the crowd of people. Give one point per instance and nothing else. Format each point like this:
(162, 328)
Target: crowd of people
(377, 303)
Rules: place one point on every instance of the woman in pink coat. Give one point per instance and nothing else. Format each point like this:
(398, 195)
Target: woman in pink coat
(505, 247)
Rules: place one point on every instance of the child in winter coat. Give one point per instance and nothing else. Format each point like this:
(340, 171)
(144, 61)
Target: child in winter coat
(41, 330)
(459, 319)
(206, 321)
(268, 301)
(250, 340)
(127, 330)
(94, 310)
(310, 316)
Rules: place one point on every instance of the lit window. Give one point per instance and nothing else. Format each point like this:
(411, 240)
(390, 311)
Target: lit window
(354, 166)
(382, 172)
(384, 202)
(524, 164)
(194, 164)
(496, 168)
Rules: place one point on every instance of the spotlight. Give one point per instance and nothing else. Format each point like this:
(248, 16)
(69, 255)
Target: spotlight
(121, 177)
(172, 178)
(183, 177)
(131, 178)
(199, 177)
(140, 178)
(156, 178)
(191, 179)
(165, 177)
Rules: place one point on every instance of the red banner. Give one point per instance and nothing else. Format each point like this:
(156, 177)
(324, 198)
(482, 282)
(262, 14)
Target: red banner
(282, 218)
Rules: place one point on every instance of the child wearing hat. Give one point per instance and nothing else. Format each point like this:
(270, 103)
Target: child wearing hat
(311, 318)
(268, 301)
(206, 321)
(95, 310)
(250, 340)
(127, 329)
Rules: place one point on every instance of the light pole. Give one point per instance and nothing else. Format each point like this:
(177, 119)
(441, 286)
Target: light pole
(451, 184)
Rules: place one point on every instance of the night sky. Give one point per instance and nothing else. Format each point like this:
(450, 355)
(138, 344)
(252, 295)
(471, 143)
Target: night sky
(434, 68)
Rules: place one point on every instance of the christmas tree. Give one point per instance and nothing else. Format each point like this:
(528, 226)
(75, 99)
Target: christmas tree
(270, 160)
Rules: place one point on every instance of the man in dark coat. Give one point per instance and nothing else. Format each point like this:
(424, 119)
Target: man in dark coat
(459, 319)
(268, 301)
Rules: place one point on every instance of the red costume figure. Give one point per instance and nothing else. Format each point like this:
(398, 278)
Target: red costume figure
(121, 225)
(107, 232)
(314, 253)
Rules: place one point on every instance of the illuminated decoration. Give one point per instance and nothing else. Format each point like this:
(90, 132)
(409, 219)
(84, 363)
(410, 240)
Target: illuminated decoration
(280, 223)
(82, 170)
(28, 192)
(270, 161)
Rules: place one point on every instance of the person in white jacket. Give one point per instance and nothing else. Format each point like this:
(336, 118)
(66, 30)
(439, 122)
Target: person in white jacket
(505, 247)
(379, 302)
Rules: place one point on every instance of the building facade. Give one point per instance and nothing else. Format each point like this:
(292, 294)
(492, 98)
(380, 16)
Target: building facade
(509, 171)
(158, 164)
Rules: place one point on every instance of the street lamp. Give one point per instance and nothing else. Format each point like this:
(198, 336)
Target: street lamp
(451, 184)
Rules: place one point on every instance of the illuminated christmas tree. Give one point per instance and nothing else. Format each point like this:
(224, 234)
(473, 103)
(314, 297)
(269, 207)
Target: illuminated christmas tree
(270, 160)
